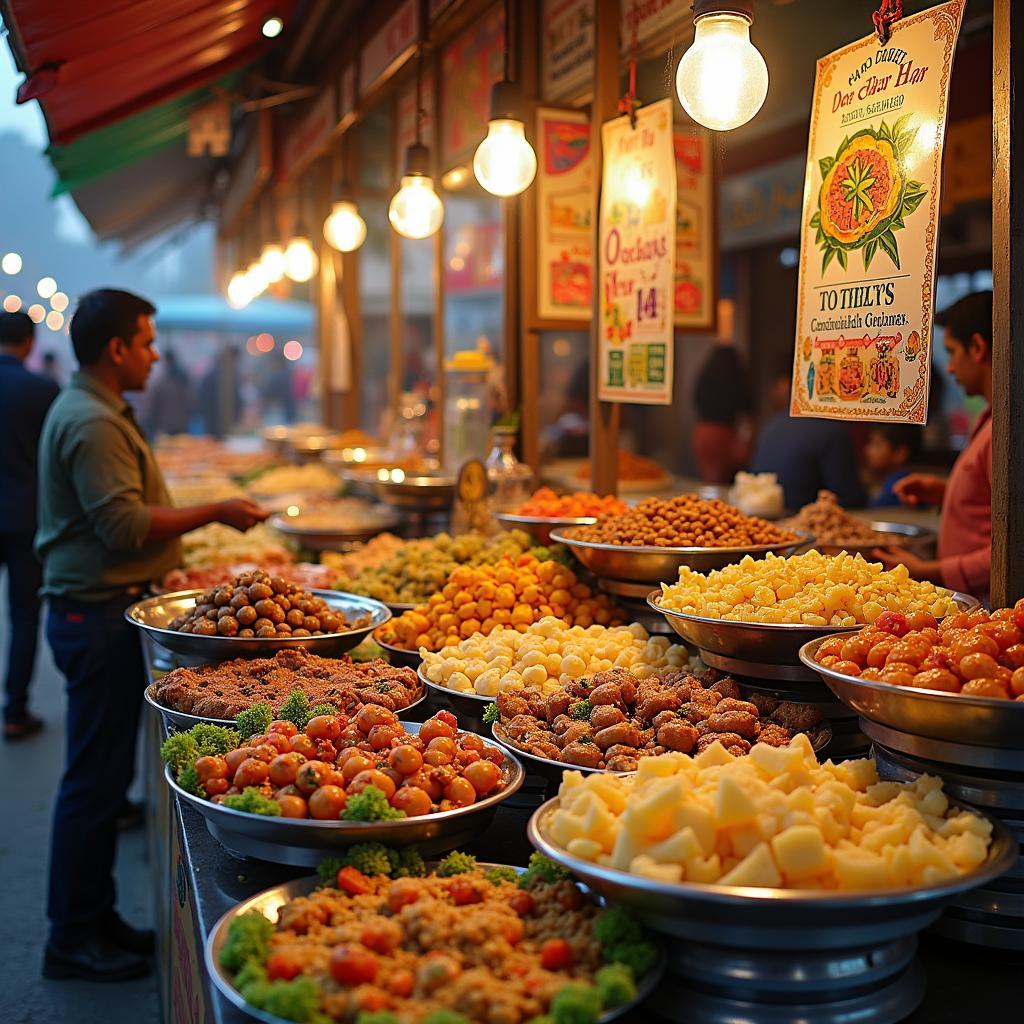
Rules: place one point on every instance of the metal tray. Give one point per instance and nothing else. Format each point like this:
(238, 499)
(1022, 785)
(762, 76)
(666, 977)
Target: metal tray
(905, 535)
(762, 920)
(657, 565)
(953, 717)
(176, 720)
(154, 614)
(540, 527)
(323, 539)
(769, 643)
(269, 902)
(467, 707)
(304, 842)
(422, 492)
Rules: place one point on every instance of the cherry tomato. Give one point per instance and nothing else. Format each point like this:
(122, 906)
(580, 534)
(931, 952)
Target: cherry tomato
(878, 653)
(921, 620)
(1018, 614)
(352, 881)
(465, 757)
(447, 716)
(372, 777)
(556, 955)
(425, 781)
(370, 715)
(402, 893)
(412, 800)
(856, 649)
(405, 759)
(281, 743)
(436, 758)
(381, 935)
(985, 688)
(326, 751)
(356, 763)
(380, 737)
(211, 768)
(1013, 656)
(255, 741)
(284, 727)
(327, 803)
(444, 744)
(892, 622)
(897, 678)
(937, 679)
(335, 777)
(521, 902)
(401, 983)
(292, 805)
(434, 727)
(303, 745)
(463, 892)
(833, 647)
(847, 668)
(974, 643)
(396, 777)
(353, 965)
(483, 776)
(1017, 682)
(284, 768)
(323, 727)
(282, 966)
(215, 787)
(310, 775)
(265, 752)
(470, 742)
(233, 758)
(494, 754)
(978, 666)
(460, 792)
(251, 772)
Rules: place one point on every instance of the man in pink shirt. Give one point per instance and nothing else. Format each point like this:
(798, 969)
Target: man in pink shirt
(965, 535)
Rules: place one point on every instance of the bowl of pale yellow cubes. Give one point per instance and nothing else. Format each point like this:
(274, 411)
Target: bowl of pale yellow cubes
(764, 610)
(773, 850)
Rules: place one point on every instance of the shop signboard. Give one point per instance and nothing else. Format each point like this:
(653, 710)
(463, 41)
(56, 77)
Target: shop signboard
(870, 223)
(650, 20)
(308, 138)
(695, 264)
(565, 215)
(636, 256)
(566, 48)
(393, 42)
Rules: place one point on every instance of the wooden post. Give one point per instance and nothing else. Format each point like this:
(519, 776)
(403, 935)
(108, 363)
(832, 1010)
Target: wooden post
(604, 416)
(1007, 302)
(351, 400)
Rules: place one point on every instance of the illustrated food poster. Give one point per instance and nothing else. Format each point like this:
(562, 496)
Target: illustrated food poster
(870, 223)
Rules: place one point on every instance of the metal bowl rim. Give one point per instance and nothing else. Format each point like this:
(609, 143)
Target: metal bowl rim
(1004, 851)
(369, 476)
(515, 776)
(919, 693)
(557, 521)
(441, 688)
(392, 649)
(387, 518)
(802, 538)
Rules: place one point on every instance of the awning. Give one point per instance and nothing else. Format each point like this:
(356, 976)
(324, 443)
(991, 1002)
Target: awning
(212, 313)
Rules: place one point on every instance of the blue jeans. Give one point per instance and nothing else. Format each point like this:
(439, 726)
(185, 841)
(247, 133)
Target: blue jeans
(24, 578)
(101, 658)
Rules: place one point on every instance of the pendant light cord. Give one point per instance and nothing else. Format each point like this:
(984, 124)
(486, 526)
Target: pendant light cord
(419, 93)
(629, 102)
(508, 38)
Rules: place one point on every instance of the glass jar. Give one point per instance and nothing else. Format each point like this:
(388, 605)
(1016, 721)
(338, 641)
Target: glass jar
(510, 481)
(467, 412)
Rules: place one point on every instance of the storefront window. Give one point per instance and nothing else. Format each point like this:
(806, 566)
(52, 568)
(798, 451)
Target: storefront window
(419, 370)
(563, 402)
(375, 302)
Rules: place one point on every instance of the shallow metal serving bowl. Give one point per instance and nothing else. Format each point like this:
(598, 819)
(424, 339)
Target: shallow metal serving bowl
(320, 538)
(953, 717)
(905, 535)
(775, 919)
(304, 842)
(769, 643)
(269, 902)
(658, 565)
(399, 655)
(154, 614)
(540, 527)
(423, 492)
(182, 720)
(468, 708)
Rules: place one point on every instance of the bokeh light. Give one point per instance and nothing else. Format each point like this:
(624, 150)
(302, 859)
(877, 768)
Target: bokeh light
(12, 303)
(46, 287)
(36, 312)
(11, 263)
(292, 350)
(54, 320)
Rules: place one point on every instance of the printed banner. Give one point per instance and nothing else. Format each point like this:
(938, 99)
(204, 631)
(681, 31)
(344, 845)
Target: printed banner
(637, 256)
(565, 216)
(566, 48)
(870, 223)
(695, 263)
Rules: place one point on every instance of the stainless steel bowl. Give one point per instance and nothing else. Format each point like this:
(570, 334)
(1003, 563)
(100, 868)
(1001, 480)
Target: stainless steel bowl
(905, 535)
(661, 565)
(468, 708)
(269, 902)
(540, 527)
(304, 842)
(153, 615)
(421, 492)
(358, 456)
(769, 643)
(314, 538)
(775, 919)
(399, 655)
(953, 717)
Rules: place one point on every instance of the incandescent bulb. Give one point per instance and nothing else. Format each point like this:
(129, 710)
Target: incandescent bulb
(300, 259)
(722, 79)
(239, 293)
(416, 210)
(344, 229)
(272, 261)
(257, 278)
(505, 163)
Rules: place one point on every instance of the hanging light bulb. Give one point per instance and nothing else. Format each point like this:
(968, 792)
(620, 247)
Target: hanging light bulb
(416, 210)
(272, 261)
(344, 229)
(505, 163)
(238, 290)
(722, 79)
(300, 259)
(256, 275)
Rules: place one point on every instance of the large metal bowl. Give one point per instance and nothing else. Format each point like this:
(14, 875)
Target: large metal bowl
(953, 717)
(420, 492)
(904, 535)
(399, 655)
(153, 615)
(661, 565)
(468, 708)
(775, 919)
(540, 527)
(768, 643)
(269, 902)
(327, 539)
(304, 842)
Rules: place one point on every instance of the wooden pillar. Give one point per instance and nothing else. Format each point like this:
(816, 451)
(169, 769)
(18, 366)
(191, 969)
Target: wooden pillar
(604, 416)
(1007, 302)
(348, 262)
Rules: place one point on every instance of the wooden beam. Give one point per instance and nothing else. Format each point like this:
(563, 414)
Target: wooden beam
(1007, 302)
(604, 416)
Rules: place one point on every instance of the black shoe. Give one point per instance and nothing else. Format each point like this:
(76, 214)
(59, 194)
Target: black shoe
(129, 816)
(134, 940)
(97, 959)
(22, 728)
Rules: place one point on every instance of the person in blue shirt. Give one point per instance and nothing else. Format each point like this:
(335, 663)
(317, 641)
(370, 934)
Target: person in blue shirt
(24, 399)
(891, 450)
(807, 455)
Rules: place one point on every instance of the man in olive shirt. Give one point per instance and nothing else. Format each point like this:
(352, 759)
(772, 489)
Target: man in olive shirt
(106, 527)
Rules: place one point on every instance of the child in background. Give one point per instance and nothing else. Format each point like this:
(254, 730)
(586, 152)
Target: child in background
(891, 451)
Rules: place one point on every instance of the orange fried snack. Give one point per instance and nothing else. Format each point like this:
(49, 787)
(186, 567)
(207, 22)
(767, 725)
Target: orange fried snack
(545, 504)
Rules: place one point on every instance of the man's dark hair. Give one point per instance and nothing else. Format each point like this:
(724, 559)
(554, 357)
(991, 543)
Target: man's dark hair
(104, 314)
(16, 328)
(968, 316)
(902, 435)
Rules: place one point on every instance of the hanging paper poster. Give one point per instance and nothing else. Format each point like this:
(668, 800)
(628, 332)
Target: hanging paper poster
(637, 257)
(695, 263)
(870, 223)
(566, 47)
(565, 216)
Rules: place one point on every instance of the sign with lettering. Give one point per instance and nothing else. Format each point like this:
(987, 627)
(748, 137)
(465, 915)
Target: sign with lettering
(870, 223)
(636, 258)
(566, 48)
(394, 39)
(565, 215)
(650, 19)
(695, 263)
